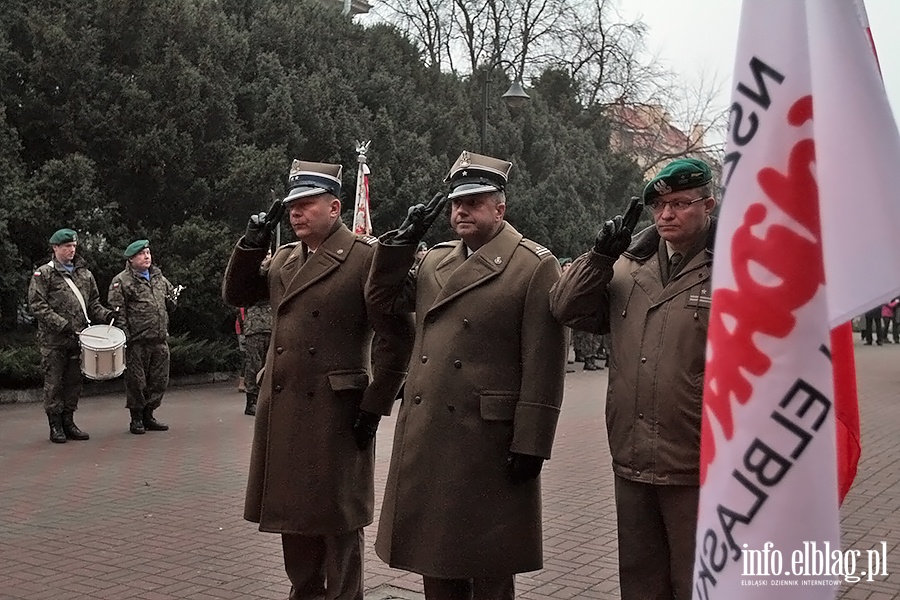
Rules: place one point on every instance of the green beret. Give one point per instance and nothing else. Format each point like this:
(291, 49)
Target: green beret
(135, 247)
(564, 261)
(63, 236)
(678, 175)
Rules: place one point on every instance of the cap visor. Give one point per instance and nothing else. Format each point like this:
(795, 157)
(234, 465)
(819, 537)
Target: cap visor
(468, 189)
(304, 192)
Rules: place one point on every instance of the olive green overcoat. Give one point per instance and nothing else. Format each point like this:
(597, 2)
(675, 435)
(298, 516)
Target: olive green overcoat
(307, 475)
(485, 379)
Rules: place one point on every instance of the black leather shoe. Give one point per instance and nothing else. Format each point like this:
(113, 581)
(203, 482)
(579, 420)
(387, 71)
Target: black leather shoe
(250, 409)
(71, 429)
(590, 364)
(151, 424)
(57, 435)
(137, 423)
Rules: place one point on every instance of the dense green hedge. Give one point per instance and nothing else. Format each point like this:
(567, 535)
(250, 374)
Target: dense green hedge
(20, 364)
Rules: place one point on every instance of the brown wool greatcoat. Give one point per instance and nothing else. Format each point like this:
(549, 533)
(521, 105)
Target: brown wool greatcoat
(657, 351)
(306, 474)
(486, 378)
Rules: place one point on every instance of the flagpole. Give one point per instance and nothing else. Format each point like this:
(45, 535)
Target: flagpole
(362, 222)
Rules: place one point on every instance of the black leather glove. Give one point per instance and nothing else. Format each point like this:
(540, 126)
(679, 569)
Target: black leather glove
(418, 219)
(615, 235)
(523, 467)
(260, 227)
(364, 428)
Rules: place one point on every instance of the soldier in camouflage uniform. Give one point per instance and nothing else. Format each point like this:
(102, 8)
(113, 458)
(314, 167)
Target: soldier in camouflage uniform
(589, 348)
(60, 316)
(257, 331)
(144, 299)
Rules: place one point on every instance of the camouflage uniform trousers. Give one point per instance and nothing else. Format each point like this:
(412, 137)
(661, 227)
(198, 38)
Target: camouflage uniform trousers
(256, 345)
(146, 374)
(588, 345)
(62, 379)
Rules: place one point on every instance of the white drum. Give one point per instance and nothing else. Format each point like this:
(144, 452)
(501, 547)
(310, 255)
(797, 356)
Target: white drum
(102, 351)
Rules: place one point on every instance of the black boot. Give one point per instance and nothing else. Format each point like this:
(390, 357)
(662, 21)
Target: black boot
(71, 429)
(57, 435)
(251, 405)
(151, 424)
(590, 364)
(137, 422)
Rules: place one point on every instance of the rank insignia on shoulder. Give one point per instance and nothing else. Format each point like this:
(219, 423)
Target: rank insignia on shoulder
(537, 249)
(369, 239)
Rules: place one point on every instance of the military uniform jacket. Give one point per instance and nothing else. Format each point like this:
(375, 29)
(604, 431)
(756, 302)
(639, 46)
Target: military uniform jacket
(306, 474)
(144, 306)
(54, 305)
(657, 356)
(486, 378)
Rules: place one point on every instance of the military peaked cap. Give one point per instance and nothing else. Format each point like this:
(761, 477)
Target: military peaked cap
(475, 174)
(312, 179)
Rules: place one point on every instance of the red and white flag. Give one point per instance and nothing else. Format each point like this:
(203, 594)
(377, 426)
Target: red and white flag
(362, 222)
(805, 234)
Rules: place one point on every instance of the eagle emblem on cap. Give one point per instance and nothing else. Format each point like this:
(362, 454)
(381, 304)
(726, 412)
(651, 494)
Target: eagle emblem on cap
(662, 188)
(464, 159)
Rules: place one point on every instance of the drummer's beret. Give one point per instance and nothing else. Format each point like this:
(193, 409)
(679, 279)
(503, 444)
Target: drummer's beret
(135, 247)
(63, 236)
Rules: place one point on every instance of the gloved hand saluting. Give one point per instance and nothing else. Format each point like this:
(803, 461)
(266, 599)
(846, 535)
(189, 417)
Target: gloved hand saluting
(260, 227)
(364, 428)
(418, 219)
(615, 235)
(523, 467)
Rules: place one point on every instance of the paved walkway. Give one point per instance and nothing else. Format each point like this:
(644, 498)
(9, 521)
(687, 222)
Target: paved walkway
(157, 517)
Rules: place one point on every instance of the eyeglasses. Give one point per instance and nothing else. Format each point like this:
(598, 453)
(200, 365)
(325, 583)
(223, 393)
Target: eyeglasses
(657, 206)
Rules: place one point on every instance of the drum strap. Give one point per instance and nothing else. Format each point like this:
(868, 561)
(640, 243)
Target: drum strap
(77, 292)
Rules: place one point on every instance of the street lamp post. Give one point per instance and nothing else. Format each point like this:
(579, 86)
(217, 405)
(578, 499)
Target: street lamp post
(515, 96)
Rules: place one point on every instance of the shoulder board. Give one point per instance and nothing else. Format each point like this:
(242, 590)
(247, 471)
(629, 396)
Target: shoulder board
(289, 246)
(367, 239)
(450, 244)
(536, 248)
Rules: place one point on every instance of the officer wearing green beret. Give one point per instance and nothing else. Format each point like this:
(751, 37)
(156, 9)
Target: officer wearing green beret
(651, 293)
(64, 299)
(144, 299)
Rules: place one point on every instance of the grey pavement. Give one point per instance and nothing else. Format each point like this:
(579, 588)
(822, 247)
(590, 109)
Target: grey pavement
(158, 516)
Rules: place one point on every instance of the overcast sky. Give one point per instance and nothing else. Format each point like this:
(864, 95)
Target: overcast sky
(698, 38)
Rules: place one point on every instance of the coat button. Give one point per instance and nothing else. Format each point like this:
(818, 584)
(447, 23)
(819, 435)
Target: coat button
(279, 349)
(418, 399)
(638, 473)
(640, 415)
(312, 350)
(457, 364)
(315, 313)
(451, 408)
(643, 359)
(424, 359)
(277, 388)
(465, 322)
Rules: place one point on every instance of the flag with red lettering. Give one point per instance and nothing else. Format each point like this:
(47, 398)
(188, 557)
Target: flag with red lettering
(806, 219)
(362, 223)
